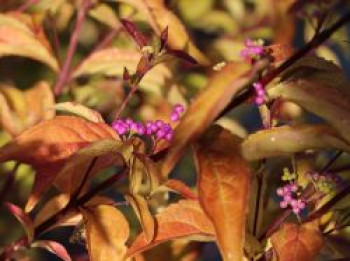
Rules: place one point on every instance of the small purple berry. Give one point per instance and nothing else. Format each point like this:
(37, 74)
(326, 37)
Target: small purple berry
(141, 130)
(259, 100)
(169, 136)
(293, 187)
(283, 204)
(160, 134)
(179, 108)
(288, 198)
(296, 210)
(174, 117)
(280, 192)
(133, 126)
(159, 123)
(154, 127)
(129, 121)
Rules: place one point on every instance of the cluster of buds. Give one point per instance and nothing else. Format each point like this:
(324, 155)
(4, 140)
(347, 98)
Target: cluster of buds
(157, 130)
(290, 193)
(325, 182)
(260, 93)
(253, 51)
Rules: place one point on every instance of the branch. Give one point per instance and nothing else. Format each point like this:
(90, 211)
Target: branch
(64, 75)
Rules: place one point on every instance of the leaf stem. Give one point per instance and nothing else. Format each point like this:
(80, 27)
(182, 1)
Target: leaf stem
(64, 75)
(133, 89)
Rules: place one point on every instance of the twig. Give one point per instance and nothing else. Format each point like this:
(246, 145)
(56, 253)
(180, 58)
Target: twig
(133, 89)
(64, 75)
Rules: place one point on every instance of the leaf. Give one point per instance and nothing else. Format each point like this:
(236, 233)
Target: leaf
(293, 242)
(19, 39)
(182, 219)
(23, 218)
(223, 188)
(53, 247)
(140, 207)
(207, 106)
(53, 206)
(178, 187)
(112, 61)
(20, 110)
(89, 161)
(131, 28)
(331, 104)
(106, 233)
(80, 110)
(159, 18)
(50, 143)
(105, 15)
(287, 140)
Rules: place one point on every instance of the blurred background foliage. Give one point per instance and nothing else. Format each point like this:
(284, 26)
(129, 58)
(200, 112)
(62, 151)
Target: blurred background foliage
(217, 27)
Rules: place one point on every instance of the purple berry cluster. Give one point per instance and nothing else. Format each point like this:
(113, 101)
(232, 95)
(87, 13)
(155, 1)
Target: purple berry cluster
(157, 130)
(254, 50)
(260, 93)
(290, 198)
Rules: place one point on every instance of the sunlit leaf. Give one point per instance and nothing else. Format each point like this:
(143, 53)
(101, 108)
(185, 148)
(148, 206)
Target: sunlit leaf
(105, 15)
(53, 206)
(293, 242)
(23, 218)
(112, 61)
(17, 38)
(159, 18)
(223, 188)
(182, 219)
(218, 93)
(287, 140)
(53, 247)
(331, 104)
(79, 110)
(140, 206)
(106, 233)
(50, 143)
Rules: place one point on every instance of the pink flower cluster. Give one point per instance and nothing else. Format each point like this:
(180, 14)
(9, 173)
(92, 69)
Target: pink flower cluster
(254, 50)
(158, 130)
(290, 198)
(260, 93)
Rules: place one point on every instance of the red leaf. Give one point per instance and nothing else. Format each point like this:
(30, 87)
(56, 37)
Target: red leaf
(131, 28)
(23, 218)
(185, 218)
(182, 55)
(53, 247)
(50, 143)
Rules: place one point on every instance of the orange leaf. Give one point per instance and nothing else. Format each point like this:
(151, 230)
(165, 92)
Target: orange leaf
(220, 90)
(293, 242)
(48, 145)
(179, 187)
(185, 218)
(106, 233)
(223, 188)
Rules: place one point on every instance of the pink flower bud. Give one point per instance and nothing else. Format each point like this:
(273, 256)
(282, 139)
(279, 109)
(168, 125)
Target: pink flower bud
(283, 204)
(174, 117)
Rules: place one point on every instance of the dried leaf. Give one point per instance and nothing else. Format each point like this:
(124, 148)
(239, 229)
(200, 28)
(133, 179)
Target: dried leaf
(293, 242)
(53, 247)
(132, 29)
(331, 104)
(51, 143)
(287, 140)
(220, 90)
(23, 218)
(223, 188)
(140, 206)
(106, 233)
(17, 38)
(182, 219)
(80, 110)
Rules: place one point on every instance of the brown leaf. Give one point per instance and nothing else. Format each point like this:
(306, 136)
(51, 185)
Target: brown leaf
(53, 247)
(182, 219)
(140, 207)
(50, 143)
(206, 107)
(106, 233)
(293, 242)
(223, 188)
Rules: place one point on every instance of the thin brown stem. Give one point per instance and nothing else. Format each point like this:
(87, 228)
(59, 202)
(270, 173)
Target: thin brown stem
(133, 89)
(64, 75)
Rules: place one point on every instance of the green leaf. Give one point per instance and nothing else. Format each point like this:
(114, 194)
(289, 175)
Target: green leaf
(287, 140)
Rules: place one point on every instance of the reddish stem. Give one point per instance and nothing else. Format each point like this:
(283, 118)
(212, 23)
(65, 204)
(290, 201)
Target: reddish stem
(64, 75)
